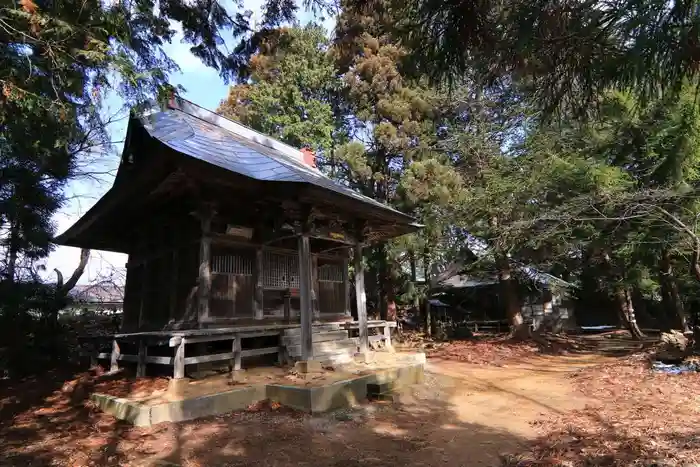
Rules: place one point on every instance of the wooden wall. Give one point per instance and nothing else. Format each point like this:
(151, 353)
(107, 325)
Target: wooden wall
(163, 279)
(331, 285)
(233, 285)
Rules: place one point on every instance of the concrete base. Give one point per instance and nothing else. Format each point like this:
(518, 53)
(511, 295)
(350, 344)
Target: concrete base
(317, 399)
(367, 357)
(179, 411)
(322, 398)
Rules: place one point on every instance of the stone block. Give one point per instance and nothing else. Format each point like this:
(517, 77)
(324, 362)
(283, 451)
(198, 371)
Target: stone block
(367, 357)
(322, 398)
(308, 366)
(122, 409)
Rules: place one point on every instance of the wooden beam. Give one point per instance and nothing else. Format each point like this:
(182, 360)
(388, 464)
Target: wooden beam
(160, 360)
(258, 277)
(261, 351)
(125, 358)
(307, 350)
(361, 299)
(209, 358)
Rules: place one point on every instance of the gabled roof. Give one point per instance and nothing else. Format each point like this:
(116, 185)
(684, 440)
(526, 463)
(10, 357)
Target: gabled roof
(205, 135)
(200, 134)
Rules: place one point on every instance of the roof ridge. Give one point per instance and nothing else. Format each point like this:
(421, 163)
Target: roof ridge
(195, 110)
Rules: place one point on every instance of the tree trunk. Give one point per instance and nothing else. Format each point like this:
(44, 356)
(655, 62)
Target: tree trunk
(671, 299)
(13, 253)
(62, 289)
(626, 312)
(428, 318)
(509, 292)
(387, 309)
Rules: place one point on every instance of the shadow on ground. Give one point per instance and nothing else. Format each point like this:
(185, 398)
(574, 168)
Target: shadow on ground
(60, 430)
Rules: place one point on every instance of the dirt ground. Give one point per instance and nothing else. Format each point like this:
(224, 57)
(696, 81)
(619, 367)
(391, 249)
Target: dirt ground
(514, 400)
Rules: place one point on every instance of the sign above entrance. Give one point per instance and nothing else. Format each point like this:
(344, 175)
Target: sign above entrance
(238, 231)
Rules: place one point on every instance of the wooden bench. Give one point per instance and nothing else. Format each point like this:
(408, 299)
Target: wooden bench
(488, 324)
(385, 336)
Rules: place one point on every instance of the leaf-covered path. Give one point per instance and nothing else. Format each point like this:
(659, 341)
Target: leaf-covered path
(466, 414)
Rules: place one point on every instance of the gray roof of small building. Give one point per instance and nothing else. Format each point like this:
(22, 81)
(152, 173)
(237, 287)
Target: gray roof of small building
(207, 136)
(97, 293)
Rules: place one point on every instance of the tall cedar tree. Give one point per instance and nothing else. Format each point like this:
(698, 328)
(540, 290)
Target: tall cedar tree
(371, 129)
(393, 123)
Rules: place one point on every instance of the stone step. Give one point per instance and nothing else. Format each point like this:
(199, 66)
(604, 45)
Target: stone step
(321, 348)
(317, 328)
(316, 337)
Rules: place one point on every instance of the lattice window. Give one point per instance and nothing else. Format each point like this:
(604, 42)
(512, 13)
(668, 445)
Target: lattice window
(233, 264)
(331, 272)
(280, 271)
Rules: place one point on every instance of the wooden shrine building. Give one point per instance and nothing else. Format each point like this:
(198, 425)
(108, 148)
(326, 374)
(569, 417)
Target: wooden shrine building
(230, 234)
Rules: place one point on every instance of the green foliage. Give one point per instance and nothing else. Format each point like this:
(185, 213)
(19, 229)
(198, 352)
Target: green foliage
(58, 61)
(290, 89)
(568, 52)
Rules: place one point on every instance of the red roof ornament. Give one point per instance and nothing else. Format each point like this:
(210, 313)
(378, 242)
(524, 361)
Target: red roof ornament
(309, 157)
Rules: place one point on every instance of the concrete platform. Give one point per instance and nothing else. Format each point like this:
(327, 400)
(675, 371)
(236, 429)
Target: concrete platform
(311, 398)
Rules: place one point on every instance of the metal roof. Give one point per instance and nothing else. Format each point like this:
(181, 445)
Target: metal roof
(205, 135)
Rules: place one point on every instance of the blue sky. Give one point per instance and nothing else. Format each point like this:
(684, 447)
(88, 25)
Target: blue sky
(202, 86)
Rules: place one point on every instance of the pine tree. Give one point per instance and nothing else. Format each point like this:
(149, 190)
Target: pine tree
(569, 52)
(290, 89)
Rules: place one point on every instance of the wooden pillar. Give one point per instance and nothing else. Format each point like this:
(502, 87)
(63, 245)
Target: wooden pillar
(93, 348)
(128, 307)
(361, 300)
(173, 285)
(258, 277)
(387, 336)
(236, 353)
(204, 284)
(145, 291)
(314, 288)
(114, 359)
(287, 298)
(179, 360)
(307, 351)
(141, 362)
(346, 283)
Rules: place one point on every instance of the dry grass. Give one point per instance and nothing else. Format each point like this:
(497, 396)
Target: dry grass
(484, 350)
